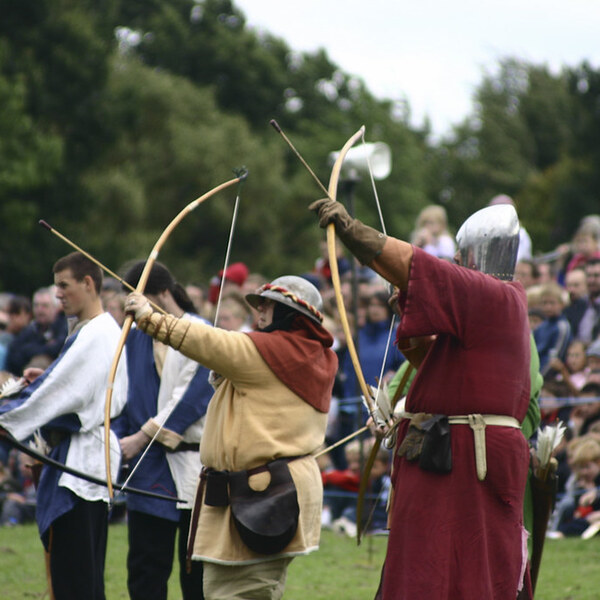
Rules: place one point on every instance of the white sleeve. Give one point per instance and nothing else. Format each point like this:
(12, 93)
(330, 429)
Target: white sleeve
(75, 385)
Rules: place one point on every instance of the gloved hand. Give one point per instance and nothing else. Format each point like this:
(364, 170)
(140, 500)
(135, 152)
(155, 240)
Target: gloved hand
(138, 306)
(330, 211)
(364, 242)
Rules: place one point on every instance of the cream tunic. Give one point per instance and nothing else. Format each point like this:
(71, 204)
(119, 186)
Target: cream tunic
(253, 418)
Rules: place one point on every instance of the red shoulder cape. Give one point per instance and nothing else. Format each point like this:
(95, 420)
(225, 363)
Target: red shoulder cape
(302, 359)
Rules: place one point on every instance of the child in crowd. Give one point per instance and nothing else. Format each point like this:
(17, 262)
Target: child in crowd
(553, 336)
(586, 245)
(431, 232)
(574, 371)
(580, 508)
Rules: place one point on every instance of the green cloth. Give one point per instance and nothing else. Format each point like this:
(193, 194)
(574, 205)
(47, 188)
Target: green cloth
(395, 382)
(528, 427)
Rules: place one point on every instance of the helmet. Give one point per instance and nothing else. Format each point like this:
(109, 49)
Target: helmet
(489, 239)
(293, 291)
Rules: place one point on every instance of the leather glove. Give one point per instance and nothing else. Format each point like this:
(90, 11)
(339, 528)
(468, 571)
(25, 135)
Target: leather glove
(138, 306)
(364, 242)
(330, 211)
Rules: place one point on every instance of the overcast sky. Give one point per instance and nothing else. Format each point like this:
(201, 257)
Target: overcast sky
(430, 52)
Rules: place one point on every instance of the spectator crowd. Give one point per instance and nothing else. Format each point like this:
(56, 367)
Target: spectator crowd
(563, 293)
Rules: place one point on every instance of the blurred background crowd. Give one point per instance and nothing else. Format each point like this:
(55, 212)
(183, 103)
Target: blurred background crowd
(563, 292)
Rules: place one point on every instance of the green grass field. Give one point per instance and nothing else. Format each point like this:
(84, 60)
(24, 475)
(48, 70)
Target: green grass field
(340, 570)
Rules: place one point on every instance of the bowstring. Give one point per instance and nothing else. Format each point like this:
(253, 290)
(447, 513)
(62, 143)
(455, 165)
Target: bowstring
(227, 253)
(385, 355)
(383, 228)
(229, 243)
(147, 448)
(374, 187)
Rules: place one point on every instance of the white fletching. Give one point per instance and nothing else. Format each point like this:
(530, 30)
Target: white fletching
(12, 386)
(38, 443)
(547, 441)
(383, 409)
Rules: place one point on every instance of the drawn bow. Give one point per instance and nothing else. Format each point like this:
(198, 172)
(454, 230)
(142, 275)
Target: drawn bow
(331, 192)
(335, 274)
(241, 177)
(335, 277)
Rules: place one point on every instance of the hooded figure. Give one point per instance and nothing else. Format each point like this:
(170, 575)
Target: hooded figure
(267, 416)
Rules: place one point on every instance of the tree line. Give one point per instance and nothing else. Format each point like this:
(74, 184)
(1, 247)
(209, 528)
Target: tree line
(118, 113)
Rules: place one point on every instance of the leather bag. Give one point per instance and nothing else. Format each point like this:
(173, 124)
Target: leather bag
(266, 520)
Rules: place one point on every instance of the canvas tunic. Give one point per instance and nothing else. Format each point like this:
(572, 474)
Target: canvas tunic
(453, 536)
(253, 418)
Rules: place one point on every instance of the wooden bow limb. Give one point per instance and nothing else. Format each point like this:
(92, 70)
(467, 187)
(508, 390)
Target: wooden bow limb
(175, 404)
(366, 473)
(73, 245)
(331, 192)
(543, 492)
(129, 318)
(335, 274)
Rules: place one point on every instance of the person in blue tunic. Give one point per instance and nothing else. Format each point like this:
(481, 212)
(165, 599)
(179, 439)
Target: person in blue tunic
(67, 403)
(167, 397)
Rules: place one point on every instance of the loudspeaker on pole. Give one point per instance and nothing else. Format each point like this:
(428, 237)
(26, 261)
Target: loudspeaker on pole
(358, 159)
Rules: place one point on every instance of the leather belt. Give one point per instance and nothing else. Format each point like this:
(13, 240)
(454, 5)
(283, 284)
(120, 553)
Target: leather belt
(187, 447)
(478, 423)
(205, 474)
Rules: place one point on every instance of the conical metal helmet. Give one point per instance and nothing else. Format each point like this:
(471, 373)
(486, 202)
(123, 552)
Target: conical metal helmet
(293, 291)
(489, 240)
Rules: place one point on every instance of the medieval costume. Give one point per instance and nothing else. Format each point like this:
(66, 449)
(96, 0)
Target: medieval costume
(67, 403)
(171, 466)
(273, 389)
(167, 397)
(477, 365)
(461, 461)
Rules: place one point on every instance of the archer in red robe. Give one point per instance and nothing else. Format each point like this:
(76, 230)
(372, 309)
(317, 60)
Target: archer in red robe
(453, 536)
(457, 531)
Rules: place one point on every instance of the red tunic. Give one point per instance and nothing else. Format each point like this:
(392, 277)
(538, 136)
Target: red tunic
(452, 536)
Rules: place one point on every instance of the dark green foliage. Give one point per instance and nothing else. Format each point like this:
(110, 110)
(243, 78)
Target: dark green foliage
(534, 136)
(117, 114)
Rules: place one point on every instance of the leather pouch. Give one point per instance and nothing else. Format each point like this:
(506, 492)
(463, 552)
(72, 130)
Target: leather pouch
(217, 492)
(436, 452)
(266, 520)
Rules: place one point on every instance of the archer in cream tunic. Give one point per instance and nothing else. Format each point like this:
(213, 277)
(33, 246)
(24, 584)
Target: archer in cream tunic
(253, 418)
